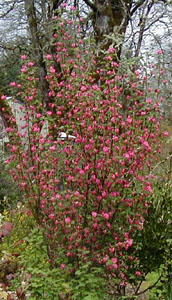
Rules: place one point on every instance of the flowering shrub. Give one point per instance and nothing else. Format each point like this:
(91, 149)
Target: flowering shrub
(89, 194)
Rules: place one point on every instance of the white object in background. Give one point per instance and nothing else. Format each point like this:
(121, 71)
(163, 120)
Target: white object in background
(63, 136)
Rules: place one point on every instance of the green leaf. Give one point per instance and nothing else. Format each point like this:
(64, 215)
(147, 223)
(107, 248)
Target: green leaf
(90, 297)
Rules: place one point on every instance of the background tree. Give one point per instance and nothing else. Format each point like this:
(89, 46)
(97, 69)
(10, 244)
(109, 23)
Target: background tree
(121, 23)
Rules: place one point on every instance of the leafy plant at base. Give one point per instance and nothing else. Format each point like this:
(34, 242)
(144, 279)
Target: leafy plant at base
(38, 279)
(88, 196)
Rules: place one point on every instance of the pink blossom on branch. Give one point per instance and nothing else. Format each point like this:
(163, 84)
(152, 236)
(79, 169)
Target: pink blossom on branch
(159, 51)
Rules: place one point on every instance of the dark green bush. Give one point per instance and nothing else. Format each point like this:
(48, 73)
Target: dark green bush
(9, 191)
(154, 242)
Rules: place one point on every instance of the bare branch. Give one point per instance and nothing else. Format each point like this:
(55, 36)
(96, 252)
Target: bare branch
(149, 287)
(91, 5)
(138, 4)
(8, 11)
(153, 22)
(142, 27)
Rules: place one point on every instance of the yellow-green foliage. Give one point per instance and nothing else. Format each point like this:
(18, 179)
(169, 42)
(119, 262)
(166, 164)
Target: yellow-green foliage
(12, 245)
(22, 225)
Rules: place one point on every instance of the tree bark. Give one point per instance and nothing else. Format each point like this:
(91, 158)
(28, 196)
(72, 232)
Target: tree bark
(109, 16)
(37, 48)
(9, 120)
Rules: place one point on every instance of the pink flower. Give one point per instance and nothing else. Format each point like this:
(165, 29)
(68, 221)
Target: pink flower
(62, 266)
(106, 149)
(24, 69)
(129, 120)
(146, 144)
(94, 214)
(30, 64)
(28, 213)
(76, 193)
(104, 194)
(81, 172)
(3, 97)
(138, 273)
(149, 101)
(83, 88)
(33, 148)
(51, 216)
(58, 113)
(52, 70)
(73, 7)
(111, 50)
(159, 51)
(64, 5)
(108, 58)
(67, 220)
(148, 188)
(53, 148)
(38, 115)
(106, 216)
(9, 129)
(115, 138)
(114, 260)
(13, 148)
(23, 57)
(129, 242)
(104, 260)
(115, 266)
(48, 56)
(165, 133)
(49, 113)
(12, 83)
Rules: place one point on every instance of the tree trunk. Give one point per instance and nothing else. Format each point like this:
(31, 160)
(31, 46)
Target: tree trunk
(110, 17)
(9, 120)
(37, 48)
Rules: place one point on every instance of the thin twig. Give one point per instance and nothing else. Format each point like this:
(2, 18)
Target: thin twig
(161, 162)
(8, 11)
(149, 287)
